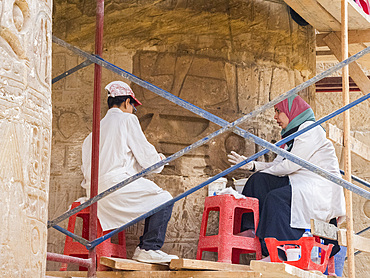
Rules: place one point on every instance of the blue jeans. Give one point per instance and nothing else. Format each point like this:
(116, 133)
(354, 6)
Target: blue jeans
(155, 229)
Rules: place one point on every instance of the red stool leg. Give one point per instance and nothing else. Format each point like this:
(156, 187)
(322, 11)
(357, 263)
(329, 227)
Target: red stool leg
(107, 248)
(253, 206)
(225, 253)
(331, 266)
(68, 242)
(203, 229)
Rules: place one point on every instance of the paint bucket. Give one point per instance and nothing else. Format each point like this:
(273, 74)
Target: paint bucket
(293, 254)
(215, 187)
(239, 185)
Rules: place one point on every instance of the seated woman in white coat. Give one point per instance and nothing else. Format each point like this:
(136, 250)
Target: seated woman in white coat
(124, 151)
(290, 195)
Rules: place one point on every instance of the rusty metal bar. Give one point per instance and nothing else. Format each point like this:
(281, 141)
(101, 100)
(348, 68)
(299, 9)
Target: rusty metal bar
(68, 259)
(93, 223)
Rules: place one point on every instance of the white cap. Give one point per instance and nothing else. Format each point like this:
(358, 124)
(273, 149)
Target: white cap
(120, 88)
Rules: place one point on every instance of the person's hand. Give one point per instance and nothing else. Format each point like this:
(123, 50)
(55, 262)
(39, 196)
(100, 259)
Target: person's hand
(235, 158)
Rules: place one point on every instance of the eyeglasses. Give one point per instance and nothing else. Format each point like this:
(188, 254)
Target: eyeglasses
(134, 110)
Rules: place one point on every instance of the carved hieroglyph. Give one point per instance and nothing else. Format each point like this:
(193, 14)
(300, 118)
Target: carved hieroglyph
(25, 131)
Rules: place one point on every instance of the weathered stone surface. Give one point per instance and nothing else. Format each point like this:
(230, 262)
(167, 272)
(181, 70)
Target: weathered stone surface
(25, 124)
(225, 57)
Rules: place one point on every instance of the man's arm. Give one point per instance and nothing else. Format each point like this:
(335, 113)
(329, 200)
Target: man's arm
(144, 152)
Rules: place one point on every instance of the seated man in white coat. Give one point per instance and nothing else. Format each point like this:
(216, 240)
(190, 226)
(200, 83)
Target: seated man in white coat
(124, 151)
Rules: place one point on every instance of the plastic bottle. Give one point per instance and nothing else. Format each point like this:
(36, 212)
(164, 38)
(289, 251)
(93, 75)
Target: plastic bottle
(315, 252)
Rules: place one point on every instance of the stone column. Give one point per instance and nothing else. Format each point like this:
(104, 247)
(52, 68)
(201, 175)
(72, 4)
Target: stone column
(25, 135)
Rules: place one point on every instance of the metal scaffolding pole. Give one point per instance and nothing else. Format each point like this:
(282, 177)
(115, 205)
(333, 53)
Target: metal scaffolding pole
(93, 223)
(68, 259)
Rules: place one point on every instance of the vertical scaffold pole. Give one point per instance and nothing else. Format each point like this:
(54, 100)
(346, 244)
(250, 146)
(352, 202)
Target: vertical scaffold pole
(346, 140)
(93, 223)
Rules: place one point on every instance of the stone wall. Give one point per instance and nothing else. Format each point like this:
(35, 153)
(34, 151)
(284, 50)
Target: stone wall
(25, 124)
(227, 57)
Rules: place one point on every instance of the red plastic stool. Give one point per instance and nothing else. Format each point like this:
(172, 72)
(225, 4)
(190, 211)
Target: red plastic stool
(331, 267)
(306, 244)
(228, 245)
(106, 248)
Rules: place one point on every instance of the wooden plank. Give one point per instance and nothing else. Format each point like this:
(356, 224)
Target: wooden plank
(126, 264)
(323, 229)
(282, 270)
(354, 36)
(206, 265)
(335, 135)
(72, 274)
(347, 140)
(314, 14)
(355, 71)
(359, 242)
(158, 274)
(357, 18)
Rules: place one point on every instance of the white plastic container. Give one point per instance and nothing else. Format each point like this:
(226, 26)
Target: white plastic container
(239, 185)
(293, 254)
(216, 186)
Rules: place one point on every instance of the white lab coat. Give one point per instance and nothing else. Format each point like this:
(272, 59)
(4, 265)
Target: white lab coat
(313, 197)
(124, 151)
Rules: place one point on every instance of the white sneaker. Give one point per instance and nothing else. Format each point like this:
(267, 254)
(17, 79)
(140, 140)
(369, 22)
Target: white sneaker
(152, 256)
(172, 257)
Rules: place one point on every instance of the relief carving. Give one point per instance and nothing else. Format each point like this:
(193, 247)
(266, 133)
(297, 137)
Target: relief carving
(45, 159)
(35, 154)
(25, 124)
(201, 81)
(68, 123)
(42, 49)
(11, 166)
(35, 240)
(15, 16)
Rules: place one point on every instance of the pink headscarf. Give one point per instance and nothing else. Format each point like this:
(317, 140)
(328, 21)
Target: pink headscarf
(292, 106)
(298, 112)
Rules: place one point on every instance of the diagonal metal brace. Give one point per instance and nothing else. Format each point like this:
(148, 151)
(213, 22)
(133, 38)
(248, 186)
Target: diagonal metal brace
(72, 70)
(359, 180)
(79, 239)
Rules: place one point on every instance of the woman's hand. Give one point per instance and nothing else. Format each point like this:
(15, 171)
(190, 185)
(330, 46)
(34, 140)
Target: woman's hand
(235, 158)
